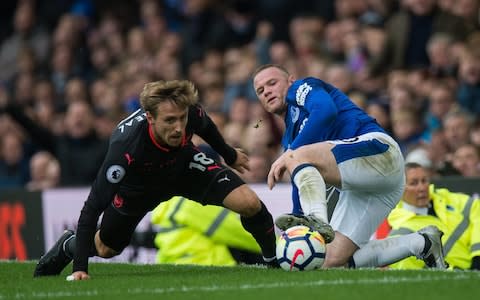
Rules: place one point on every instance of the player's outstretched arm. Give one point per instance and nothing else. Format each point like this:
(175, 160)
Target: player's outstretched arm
(277, 169)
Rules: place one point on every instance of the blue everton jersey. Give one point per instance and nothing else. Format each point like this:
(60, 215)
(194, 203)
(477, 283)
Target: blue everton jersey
(317, 112)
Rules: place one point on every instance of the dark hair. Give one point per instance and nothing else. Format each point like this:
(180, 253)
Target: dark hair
(412, 165)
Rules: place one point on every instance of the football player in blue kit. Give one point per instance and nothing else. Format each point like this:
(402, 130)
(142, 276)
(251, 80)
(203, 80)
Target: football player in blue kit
(151, 158)
(330, 140)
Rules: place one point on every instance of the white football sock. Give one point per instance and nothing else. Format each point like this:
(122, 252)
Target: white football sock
(379, 253)
(311, 191)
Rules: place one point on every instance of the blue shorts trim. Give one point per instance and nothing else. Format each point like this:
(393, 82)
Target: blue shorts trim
(344, 152)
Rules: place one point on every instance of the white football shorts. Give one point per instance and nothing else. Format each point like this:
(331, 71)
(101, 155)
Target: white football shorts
(373, 178)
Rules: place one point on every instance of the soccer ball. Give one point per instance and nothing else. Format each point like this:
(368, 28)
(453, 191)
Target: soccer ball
(300, 249)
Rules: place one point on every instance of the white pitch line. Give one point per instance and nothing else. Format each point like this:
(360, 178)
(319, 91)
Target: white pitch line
(276, 285)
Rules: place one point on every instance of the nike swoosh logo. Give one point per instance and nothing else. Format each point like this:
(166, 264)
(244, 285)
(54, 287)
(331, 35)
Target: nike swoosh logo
(295, 256)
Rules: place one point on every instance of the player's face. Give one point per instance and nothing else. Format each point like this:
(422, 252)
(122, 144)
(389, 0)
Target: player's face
(170, 123)
(271, 86)
(416, 188)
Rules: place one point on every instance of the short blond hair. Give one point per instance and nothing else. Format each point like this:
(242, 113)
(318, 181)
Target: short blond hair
(182, 92)
(266, 66)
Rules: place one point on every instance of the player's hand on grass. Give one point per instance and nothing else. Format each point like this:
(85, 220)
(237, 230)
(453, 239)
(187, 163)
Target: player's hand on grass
(79, 275)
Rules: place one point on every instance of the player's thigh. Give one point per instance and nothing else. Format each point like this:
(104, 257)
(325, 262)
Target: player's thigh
(209, 187)
(223, 187)
(206, 180)
(116, 228)
(371, 163)
(357, 215)
(210, 182)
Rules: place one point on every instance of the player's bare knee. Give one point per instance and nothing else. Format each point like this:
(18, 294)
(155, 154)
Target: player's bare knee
(251, 206)
(243, 201)
(106, 252)
(103, 250)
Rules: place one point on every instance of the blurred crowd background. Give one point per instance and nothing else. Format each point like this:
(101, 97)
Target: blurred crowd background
(70, 70)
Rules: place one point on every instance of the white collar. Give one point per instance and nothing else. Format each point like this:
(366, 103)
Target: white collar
(423, 211)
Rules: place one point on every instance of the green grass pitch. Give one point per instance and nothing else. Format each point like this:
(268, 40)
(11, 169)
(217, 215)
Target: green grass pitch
(131, 282)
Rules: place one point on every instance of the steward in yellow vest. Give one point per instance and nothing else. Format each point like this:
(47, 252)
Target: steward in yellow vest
(456, 214)
(190, 233)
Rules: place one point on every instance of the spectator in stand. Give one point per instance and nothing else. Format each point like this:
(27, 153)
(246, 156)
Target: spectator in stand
(439, 154)
(76, 89)
(45, 103)
(239, 65)
(14, 171)
(468, 91)
(466, 160)
(280, 52)
(317, 67)
(407, 129)
(27, 63)
(340, 76)
(332, 42)
(408, 32)
(44, 171)
(199, 17)
(23, 90)
(457, 126)
(155, 25)
(441, 101)
(402, 97)
(106, 121)
(27, 32)
(420, 83)
(456, 214)
(101, 60)
(213, 97)
(166, 64)
(109, 31)
(468, 10)
(61, 67)
(440, 54)
(305, 30)
(68, 32)
(475, 133)
(372, 33)
(236, 27)
(380, 112)
(239, 110)
(105, 97)
(79, 150)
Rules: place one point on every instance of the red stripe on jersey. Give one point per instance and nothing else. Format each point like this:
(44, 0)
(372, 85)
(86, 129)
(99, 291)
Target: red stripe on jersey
(152, 137)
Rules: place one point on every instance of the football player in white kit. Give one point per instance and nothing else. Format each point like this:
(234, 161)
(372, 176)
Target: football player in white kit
(330, 140)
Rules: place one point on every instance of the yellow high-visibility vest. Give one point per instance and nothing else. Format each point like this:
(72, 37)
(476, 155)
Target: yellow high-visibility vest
(458, 216)
(190, 233)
